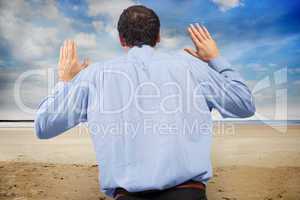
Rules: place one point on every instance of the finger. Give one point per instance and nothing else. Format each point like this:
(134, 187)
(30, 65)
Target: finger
(65, 50)
(60, 55)
(197, 33)
(194, 38)
(201, 32)
(84, 65)
(69, 49)
(86, 62)
(206, 32)
(191, 51)
(74, 47)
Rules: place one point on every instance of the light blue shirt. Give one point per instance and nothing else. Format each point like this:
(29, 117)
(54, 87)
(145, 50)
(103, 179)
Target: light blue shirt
(149, 115)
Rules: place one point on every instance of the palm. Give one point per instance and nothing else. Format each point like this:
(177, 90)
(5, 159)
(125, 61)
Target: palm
(69, 64)
(206, 47)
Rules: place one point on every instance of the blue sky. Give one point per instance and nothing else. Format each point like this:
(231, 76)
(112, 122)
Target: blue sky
(260, 38)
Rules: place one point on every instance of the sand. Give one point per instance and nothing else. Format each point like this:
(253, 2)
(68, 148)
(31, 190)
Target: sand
(250, 162)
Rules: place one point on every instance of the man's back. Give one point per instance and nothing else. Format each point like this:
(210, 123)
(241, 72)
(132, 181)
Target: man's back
(149, 124)
(149, 116)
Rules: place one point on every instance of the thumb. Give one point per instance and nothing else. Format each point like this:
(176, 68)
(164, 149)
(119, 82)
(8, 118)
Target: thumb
(86, 62)
(191, 51)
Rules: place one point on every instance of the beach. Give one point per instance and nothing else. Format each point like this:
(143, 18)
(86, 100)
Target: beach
(250, 162)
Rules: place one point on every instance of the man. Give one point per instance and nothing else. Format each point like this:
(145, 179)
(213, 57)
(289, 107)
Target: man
(148, 112)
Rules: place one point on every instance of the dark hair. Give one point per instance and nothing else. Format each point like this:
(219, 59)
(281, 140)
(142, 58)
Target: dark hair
(139, 25)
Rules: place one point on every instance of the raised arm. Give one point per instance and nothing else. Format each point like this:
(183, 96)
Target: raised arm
(223, 88)
(67, 106)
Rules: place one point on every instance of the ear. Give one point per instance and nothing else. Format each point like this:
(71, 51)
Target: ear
(158, 38)
(122, 41)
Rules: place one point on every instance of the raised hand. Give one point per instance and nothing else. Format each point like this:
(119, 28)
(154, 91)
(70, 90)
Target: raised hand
(68, 63)
(206, 47)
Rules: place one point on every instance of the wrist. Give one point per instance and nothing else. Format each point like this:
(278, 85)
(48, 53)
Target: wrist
(219, 63)
(65, 77)
(64, 80)
(213, 57)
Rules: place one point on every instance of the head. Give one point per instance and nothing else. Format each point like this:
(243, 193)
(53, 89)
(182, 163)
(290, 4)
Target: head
(138, 25)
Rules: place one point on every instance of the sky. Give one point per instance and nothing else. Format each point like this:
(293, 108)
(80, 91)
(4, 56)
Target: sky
(261, 39)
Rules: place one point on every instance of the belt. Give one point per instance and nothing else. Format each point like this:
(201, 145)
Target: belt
(188, 184)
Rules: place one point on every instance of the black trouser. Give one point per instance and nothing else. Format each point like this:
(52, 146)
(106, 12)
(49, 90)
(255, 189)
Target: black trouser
(170, 194)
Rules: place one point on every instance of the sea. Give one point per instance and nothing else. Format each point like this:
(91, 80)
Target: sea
(30, 123)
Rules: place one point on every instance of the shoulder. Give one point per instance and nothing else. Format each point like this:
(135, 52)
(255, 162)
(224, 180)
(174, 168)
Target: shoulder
(114, 62)
(99, 66)
(196, 67)
(181, 59)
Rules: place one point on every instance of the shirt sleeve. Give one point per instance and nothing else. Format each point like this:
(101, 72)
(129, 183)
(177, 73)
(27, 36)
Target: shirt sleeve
(224, 89)
(64, 109)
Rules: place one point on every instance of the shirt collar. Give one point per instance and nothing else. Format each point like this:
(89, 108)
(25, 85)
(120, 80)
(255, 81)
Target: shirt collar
(141, 53)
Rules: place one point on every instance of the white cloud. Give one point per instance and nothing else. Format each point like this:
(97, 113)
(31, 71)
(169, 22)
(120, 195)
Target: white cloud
(297, 82)
(38, 42)
(294, 70)
(236, 49)
(31, 92)
(30, 41)
(112, 8)
(258, 67)
(75, 7)
(108, 28)
(169, 42)
(86, 40)
(112, 31)
(49, 10)
(225, 5)
(98, 25)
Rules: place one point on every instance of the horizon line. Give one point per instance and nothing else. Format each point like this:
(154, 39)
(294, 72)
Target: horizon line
(223, 120)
